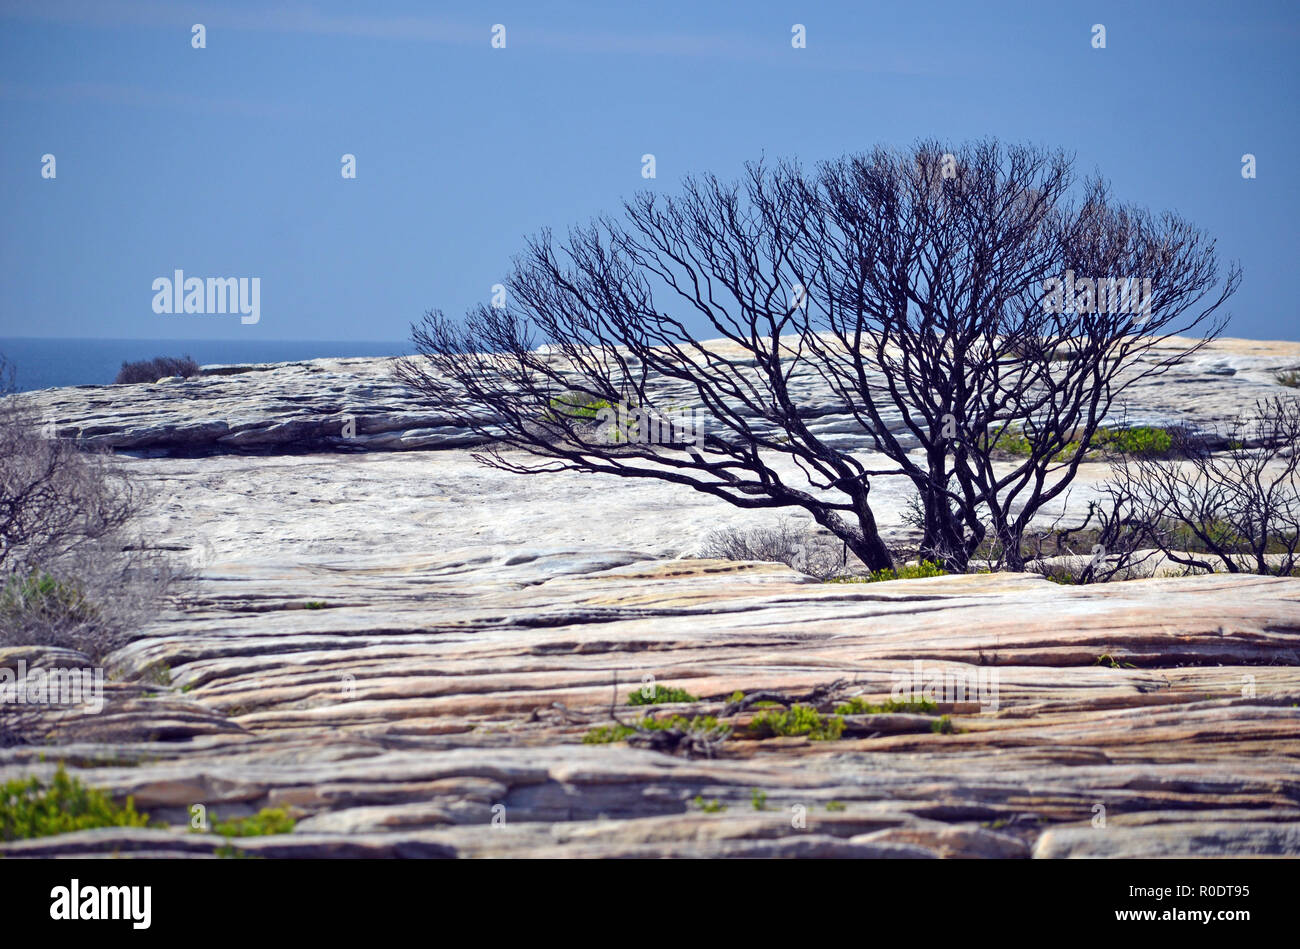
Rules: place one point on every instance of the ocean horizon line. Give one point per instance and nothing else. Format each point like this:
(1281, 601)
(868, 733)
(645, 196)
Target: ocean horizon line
(46, 362)
(195, 339)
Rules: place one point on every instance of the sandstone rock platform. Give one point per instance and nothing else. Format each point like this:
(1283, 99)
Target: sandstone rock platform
(406, 650)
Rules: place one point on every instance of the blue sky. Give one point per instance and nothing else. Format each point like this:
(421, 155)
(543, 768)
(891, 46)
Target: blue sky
(225, 161)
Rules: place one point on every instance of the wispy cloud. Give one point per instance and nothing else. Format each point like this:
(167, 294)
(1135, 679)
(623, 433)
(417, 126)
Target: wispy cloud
(309, 19)
(121, 94)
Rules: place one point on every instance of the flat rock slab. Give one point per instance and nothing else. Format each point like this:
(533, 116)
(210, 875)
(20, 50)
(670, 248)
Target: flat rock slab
(406, 651)
(436, 706)
(355, 405)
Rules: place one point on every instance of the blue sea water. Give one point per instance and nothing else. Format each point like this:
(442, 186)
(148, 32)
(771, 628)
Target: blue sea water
(43, 363)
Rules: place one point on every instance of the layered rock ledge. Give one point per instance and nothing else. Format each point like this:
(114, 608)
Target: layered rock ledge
(356, 405)
(406, 650)
(428, 696)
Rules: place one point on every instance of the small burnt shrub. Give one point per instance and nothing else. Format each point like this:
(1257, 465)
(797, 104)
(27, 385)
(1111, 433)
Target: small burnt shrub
(151, 370)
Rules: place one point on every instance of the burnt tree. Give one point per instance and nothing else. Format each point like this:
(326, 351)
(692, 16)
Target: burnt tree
(940, 298)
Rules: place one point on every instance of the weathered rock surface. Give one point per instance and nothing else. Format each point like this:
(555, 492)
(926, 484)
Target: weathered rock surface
(406, 650)
(355, 404)
(431, 695)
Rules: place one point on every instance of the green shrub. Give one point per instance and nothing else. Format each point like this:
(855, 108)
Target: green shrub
(798, 720)
(1221, 533)
(32, 809)
(1133, 440)
(269, 820)
(1013, 441)
(73, 572)
(41, 595)
(835, 806)
(709, 807)
(759, 799)
(1290, 378)
(860, 706)
(926, 568)
(661, 695)
(1137, 440)
(575, 405)
(698, 723)
(1106, 659)
(606, 734)
(579, 407)
(943, 726)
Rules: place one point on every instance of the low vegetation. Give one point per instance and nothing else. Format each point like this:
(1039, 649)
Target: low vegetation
(858, 705)
(1106, 659)
(40, 598)
(160, 367)
(797, 721)
(660, 696)
(576, 406)
(608, 734)
(789, 541)
(1202, 501)
(1135, 440)
(1012, 440)
(1127, 440)
(74, 571)
(916, 571)
(618, 731)
(794, 717)
(32, 808)
(943, 726)
(1224, 501)
(265, 822)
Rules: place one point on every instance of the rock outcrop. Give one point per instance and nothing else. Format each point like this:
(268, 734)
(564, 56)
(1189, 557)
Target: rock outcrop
(356, 405)
(437, 707)
(406, 651)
